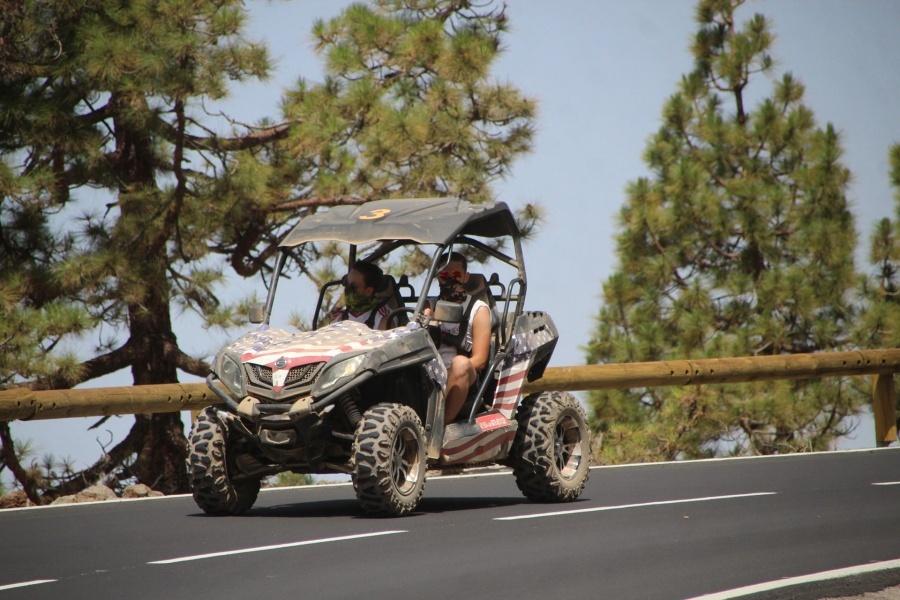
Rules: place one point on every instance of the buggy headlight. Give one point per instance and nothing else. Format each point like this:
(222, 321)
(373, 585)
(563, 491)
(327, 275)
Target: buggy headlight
(340, 371)
(232, 375)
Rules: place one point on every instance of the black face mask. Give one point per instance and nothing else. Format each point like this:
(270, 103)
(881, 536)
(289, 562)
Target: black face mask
(452, 290)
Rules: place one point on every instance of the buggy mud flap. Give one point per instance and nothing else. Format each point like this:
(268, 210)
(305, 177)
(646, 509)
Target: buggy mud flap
(488, 439)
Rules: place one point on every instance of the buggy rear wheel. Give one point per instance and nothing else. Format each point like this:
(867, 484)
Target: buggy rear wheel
(211, 483)
(551, 454)
(389, 460)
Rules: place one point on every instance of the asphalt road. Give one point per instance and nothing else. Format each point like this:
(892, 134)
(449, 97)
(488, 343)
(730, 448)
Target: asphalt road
(635, 535)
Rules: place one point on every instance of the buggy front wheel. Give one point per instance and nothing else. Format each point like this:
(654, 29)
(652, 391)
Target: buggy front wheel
(389, 460)
(211, 484)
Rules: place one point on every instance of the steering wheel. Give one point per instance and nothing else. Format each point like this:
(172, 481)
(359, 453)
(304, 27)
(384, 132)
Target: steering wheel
(392, 316)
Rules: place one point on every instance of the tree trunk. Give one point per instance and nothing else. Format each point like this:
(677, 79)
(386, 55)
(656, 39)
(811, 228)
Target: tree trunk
(162, 452)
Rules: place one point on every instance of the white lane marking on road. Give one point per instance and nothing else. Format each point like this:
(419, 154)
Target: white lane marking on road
(358, 536)
(640, 505)
(887, 483)
(10, 586)
(810, 578)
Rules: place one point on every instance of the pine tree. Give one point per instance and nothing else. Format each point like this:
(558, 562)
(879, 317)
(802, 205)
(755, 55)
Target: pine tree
(123, 195)
(97, 103)
(406, 109)
(740, 242)
(879, 325)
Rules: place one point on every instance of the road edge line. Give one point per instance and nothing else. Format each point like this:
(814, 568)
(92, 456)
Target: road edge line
(742, 458)
(11, 586)
(765, 586)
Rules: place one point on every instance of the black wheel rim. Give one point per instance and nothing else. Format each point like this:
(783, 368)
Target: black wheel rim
(405, 460)
(567, 447)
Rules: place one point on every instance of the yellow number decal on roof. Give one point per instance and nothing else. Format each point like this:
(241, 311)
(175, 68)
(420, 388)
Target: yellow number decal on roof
(375, 214)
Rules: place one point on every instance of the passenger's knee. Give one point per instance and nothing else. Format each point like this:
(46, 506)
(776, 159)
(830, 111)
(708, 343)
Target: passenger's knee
(460, 364)
(461, 371)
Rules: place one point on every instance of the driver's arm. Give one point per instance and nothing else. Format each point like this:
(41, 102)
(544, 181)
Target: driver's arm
(481, 338)
(383, 320)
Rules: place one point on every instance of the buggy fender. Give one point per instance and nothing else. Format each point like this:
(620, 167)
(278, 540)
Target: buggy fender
(413, 348)
(531, 345)
(534, 336)
(417, 349)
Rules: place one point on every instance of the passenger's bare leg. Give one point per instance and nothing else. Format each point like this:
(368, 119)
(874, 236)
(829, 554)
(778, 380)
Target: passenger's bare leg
(460, 377)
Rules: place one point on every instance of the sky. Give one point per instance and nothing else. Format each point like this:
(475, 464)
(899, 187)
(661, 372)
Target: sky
(600, 71)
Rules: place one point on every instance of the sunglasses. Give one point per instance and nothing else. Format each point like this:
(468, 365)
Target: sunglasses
(448, 275)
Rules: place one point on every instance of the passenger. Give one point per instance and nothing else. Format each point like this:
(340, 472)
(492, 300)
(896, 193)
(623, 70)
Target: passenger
(464, 346)
(361, 303)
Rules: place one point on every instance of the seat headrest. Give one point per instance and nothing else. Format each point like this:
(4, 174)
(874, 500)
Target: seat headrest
(477, 287)
(387, 288)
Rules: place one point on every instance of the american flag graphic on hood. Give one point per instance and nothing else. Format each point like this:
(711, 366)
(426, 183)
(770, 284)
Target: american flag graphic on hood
(282, 350)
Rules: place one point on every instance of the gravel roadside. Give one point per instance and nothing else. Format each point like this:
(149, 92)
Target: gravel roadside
(891, 593)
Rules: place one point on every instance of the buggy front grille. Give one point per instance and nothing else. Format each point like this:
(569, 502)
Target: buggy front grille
(304, 374)
(297, 376)
(261, 374)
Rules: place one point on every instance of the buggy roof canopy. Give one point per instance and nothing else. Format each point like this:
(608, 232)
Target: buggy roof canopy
(423, 220)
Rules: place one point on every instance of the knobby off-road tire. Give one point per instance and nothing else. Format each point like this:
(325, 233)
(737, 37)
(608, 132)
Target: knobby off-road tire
(389, 460)
(211, 484)
(551, 455)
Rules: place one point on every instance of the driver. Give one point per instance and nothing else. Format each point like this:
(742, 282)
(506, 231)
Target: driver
(464, 346)
(361, 304)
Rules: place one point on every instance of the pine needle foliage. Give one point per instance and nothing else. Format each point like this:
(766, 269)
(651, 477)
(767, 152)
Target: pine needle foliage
(739, 242)
(407, 109)
(879, 325)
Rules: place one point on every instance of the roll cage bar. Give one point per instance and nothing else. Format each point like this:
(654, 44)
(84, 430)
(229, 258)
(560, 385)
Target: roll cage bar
(515, 290)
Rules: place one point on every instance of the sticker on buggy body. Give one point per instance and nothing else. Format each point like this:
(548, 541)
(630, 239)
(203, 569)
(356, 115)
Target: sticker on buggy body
(509, 388)
(491, 420)
(375, 214)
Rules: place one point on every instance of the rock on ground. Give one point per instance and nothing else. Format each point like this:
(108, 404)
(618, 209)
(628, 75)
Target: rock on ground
(140, 490)
(95, 493)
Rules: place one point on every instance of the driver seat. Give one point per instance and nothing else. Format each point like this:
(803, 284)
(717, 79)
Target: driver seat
(389, 295)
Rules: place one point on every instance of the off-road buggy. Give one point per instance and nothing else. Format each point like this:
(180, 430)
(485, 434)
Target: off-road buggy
(343, 398)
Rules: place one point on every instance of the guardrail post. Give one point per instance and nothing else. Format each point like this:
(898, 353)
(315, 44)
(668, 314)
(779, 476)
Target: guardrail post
(884, 407)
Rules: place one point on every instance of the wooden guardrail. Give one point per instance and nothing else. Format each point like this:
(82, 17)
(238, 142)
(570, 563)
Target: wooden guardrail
(882, 363)
(20, 403)
(56, 404)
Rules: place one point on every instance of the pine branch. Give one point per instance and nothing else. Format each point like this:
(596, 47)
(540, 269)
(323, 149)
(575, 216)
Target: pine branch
(105, 464)
(99, 422)
(192, 365)
(8, 453)
(242, 262)
(252, 139)
(96, 115)
(291, 205)
(104, 364)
